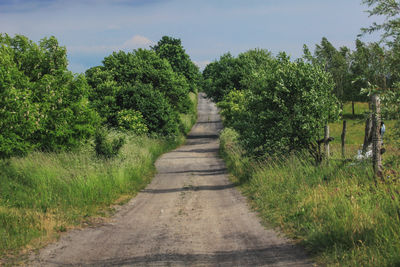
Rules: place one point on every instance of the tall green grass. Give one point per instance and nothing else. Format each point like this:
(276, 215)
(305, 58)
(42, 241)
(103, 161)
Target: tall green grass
(337, 211)
(189, 119)
(44, 194)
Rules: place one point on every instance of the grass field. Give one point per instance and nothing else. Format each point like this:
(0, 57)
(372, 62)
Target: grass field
(355, 133)
(338, 211)
(44, 194)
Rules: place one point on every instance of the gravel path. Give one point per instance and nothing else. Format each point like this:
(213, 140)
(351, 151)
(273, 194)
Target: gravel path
(190, 215)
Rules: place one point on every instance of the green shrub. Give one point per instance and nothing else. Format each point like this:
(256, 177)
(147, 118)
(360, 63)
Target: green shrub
(132, 120)
(106, 147)
(67, 118)
(157, 112)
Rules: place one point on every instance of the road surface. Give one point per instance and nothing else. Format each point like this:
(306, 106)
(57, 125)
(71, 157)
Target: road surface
(190, 215)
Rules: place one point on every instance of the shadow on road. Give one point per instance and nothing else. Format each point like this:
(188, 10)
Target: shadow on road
(189, 188)
(273, 255)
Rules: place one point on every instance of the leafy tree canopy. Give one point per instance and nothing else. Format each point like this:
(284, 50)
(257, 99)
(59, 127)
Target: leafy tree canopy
(390, 10)
(44, 105)
(171, 49)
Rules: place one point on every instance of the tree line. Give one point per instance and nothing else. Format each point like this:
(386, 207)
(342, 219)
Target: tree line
(370, 65)
(278, 105)
(44, 106)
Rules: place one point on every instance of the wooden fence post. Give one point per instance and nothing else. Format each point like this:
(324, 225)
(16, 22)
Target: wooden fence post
(368, 134)
(326, 141)
(376, 135)
(343, 136)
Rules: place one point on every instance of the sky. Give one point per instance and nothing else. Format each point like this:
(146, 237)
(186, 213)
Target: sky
(93, 29)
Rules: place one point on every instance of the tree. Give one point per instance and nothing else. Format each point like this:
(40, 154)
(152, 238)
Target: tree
(44, 105)
(226, 74)
(18, 117)
(139, 87)
(220, 77)
(390, 9)
(337, 64)
(171, 49)
(281, 106)
(147, 67)
(156, 110)
(390, 28)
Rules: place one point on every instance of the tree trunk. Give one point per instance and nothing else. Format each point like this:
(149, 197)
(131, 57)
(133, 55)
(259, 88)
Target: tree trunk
(343, 136)
(326, 142)
(368, 134)
(352, 108)
(376, 135)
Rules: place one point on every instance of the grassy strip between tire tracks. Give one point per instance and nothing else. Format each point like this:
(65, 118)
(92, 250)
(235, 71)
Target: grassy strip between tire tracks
(337, 211)
(44, 194)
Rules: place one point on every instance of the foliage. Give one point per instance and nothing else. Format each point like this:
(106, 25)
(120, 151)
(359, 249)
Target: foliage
(391, 110)
(390, 99)
(337, 64)
(105, 147)
(233, 109)
(103, 90)
(221, 76)
(140, 81)
(44, 106)
(132, 120)
(67, 118)
(282, 105)
(350, 70)
(171, 49)
(390, 9)
(147, 67)
(17, 114)
(226, 74)
(157, 112)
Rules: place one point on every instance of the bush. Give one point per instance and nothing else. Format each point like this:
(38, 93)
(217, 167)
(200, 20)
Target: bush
(132, 120)
(106, 148)
(157, 112)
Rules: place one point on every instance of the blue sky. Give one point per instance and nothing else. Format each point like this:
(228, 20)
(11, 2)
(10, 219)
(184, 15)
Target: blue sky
(92, 29)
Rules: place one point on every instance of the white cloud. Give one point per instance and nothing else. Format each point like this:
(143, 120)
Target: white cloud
(135, 42)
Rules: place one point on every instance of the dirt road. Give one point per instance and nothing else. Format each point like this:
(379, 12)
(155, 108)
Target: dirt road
(190, 215)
